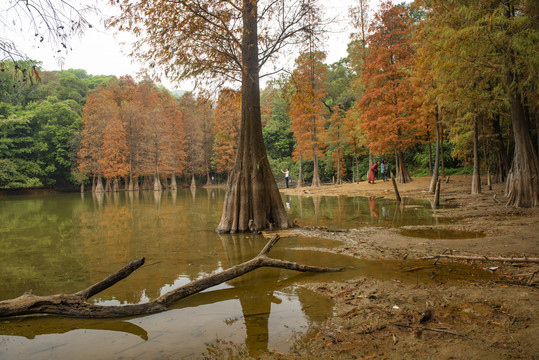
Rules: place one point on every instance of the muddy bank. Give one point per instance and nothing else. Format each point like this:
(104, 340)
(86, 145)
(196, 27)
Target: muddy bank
(494, 318)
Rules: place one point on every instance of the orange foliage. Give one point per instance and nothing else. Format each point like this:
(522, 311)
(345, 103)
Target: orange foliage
(307, 105)
(131, 129)
(388, 103)
(227, 129)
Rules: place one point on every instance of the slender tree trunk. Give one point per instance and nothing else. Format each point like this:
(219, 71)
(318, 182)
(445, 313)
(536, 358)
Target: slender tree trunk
(252, 201)
(316, 176)
(476, 177)
(300, 175)
(502, 162)
(430, 155)
(434, 175)
(442, 161)
(403, 176)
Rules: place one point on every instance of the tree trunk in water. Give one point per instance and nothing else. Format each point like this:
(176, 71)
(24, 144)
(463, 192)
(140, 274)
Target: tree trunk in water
(193, 182)
(252, 201)
(93, 183)
(136, 186)
(476, 177)
(403, 176)
(434, 174)
(107, 185)
(173, 184)
(522, 187)
(115, 185)
(99, 186)
(157, 183)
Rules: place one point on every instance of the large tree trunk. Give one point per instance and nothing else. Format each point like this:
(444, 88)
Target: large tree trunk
(403, 176)
(434, 175)
(76, 305)
(522, 187)
(252, 201)
(476, 177)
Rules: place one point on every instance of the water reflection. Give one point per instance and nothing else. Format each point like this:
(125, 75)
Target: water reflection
(351, 212)
(66, 242)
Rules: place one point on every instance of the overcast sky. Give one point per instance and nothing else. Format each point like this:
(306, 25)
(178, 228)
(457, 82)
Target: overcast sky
(99, 51)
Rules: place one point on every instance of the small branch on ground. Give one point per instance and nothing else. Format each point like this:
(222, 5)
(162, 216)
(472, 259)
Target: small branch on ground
(484, 258)
(429, 329)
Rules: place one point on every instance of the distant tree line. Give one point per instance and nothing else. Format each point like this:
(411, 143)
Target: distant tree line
(403, 93)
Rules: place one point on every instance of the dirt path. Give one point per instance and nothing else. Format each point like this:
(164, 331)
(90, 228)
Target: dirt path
(469, 319)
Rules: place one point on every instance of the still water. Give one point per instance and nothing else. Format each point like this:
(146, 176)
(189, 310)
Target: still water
(63, 243)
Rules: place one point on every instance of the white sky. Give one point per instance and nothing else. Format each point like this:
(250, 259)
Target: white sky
(99, 51)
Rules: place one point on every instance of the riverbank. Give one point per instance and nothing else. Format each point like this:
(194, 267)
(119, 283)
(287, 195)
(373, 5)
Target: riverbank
(472, 318)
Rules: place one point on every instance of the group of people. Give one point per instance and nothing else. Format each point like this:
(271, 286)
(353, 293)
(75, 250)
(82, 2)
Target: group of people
(373, 171)
(372, 176)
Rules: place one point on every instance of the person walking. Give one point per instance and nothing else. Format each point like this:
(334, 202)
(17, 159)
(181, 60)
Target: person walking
(286, 176)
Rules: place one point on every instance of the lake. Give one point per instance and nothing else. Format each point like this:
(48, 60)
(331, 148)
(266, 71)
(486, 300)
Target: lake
(63, 243)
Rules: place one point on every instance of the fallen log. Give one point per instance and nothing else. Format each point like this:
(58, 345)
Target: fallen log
(484, 258)
(76, 305)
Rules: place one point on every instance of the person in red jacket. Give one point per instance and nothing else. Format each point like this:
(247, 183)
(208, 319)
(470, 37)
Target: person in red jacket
(372, 173)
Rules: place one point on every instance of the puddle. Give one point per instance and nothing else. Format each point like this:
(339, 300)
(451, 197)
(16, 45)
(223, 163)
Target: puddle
(432, 233)
(410, 271)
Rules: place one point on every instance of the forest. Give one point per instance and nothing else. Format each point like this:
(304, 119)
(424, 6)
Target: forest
(445, 87)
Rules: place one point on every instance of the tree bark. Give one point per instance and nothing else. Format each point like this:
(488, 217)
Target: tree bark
(502, 161)
(76, 305)
(300, 175)
(173, 184)
(403, 176)
(252, 201)
(434, 174)
(522, 187)
(476, 177)
(316, 176)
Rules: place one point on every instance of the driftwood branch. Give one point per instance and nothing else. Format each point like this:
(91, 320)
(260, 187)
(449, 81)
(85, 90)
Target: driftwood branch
(484, 258)
(76, 305)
